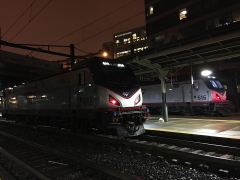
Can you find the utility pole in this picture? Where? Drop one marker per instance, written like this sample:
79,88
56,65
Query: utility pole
162,75
72,54
192,84
0,38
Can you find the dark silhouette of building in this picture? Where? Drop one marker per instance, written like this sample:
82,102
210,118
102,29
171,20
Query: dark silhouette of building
177,20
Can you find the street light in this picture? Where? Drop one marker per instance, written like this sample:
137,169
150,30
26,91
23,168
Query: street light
206,72
105,54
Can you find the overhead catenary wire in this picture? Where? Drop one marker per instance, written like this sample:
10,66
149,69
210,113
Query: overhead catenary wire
98,33
31,20
81,50
19,17
94,21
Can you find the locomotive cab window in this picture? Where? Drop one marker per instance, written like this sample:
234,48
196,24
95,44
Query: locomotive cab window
214,84
114,75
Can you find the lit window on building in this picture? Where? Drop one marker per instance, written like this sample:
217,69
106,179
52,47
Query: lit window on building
123,53
151,10
134,36
127,40
236,16
183,14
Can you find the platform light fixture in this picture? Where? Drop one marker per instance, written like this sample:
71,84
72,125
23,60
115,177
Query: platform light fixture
206,72
183,14
151,9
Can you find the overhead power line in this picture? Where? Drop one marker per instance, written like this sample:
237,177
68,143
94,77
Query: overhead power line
108,28
94,21
81,50
31,20
19,17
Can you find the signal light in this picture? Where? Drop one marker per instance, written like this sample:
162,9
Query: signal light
113,101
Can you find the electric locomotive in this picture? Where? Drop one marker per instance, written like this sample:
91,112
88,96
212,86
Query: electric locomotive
97,94
206,95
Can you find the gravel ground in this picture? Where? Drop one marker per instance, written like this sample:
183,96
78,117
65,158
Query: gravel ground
149,167
143,165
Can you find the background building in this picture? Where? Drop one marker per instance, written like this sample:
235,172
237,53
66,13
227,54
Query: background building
171,21
130,42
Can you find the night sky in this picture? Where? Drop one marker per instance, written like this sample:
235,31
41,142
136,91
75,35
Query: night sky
48,21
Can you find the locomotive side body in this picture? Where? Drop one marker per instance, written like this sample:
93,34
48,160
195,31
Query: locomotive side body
206,95
81,98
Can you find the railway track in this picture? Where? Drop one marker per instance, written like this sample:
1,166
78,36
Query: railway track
28,160
213,157
224,160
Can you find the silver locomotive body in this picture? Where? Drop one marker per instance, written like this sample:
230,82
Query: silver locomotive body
99,94
206,95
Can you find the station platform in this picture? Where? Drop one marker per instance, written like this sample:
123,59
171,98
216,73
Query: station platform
227,127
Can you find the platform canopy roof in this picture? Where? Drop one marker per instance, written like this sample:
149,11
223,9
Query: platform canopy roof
204,49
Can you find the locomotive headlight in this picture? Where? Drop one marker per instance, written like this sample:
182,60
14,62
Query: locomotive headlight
137,100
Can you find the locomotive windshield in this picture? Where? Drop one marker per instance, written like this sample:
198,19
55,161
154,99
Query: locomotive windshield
214,84
113,74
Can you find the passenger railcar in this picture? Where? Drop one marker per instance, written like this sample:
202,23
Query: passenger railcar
207,95
98,94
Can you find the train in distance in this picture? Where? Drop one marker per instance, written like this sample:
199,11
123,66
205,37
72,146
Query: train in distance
206,95
97,94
